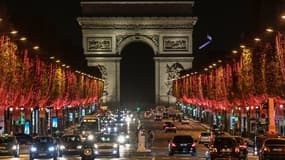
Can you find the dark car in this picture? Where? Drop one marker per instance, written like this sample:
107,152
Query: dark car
101,145
224,147
166,124
169,127
182,144
157,118
43,147
272,148
70,145
9,146
242,147
24,138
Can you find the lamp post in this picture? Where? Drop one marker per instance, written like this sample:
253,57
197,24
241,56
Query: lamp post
248,120
256,129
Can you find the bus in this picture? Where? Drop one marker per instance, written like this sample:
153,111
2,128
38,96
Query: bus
90,124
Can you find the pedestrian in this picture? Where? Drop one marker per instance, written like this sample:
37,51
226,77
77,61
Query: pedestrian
150,138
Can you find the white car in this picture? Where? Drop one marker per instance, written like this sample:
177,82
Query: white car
205,137
185,120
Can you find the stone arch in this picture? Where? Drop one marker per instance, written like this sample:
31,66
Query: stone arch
170,38
137,38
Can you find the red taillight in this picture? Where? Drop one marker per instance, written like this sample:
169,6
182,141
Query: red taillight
236,149
243,146
194,145
214,150
173,145
265,149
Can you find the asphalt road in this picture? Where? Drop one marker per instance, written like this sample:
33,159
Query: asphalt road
159,149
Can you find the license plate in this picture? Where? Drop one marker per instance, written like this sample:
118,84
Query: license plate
105,150
277,149
226,150
42,154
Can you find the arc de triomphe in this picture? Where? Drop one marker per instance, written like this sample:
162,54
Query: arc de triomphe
166,26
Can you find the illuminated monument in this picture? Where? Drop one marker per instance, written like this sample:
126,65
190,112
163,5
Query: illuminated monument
166,26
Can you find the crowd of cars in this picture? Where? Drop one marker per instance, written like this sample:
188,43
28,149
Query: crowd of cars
110,133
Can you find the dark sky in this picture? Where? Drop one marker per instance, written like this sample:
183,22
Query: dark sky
52,24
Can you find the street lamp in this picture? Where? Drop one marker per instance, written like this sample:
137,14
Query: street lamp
248,120
11,119
256,128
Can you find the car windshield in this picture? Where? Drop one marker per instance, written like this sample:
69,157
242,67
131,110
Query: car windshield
6,139
274,142
239,140
205,134
44,140
71,139
225,141
182,139
106,138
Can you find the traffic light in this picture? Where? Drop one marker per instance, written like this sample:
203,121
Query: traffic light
138,108
219,117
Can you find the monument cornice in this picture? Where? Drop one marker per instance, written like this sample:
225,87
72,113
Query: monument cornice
137,22
135,2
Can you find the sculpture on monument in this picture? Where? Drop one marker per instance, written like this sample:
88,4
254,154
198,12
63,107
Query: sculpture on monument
173,72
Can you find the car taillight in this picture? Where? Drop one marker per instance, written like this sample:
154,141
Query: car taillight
266,149
194,145
243,146
173,145
236,149
214,150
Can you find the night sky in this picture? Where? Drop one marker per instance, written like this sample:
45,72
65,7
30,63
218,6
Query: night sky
52,24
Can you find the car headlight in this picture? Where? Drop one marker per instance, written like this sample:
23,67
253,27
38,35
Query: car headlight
61,147
128,119
90,137
95,146
33,149
78,147
115,145
14,147
83,132
127,136
121,139
51,148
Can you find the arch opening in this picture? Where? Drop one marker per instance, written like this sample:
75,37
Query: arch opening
137,74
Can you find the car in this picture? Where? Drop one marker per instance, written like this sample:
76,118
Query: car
147,115
165,115
101,145
272,148
242,147
157,118
43,147
110,129
9,146
169,127
205,137
167,123
217,132
70,145
224,147
182,144
24,139
123,138
185,120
